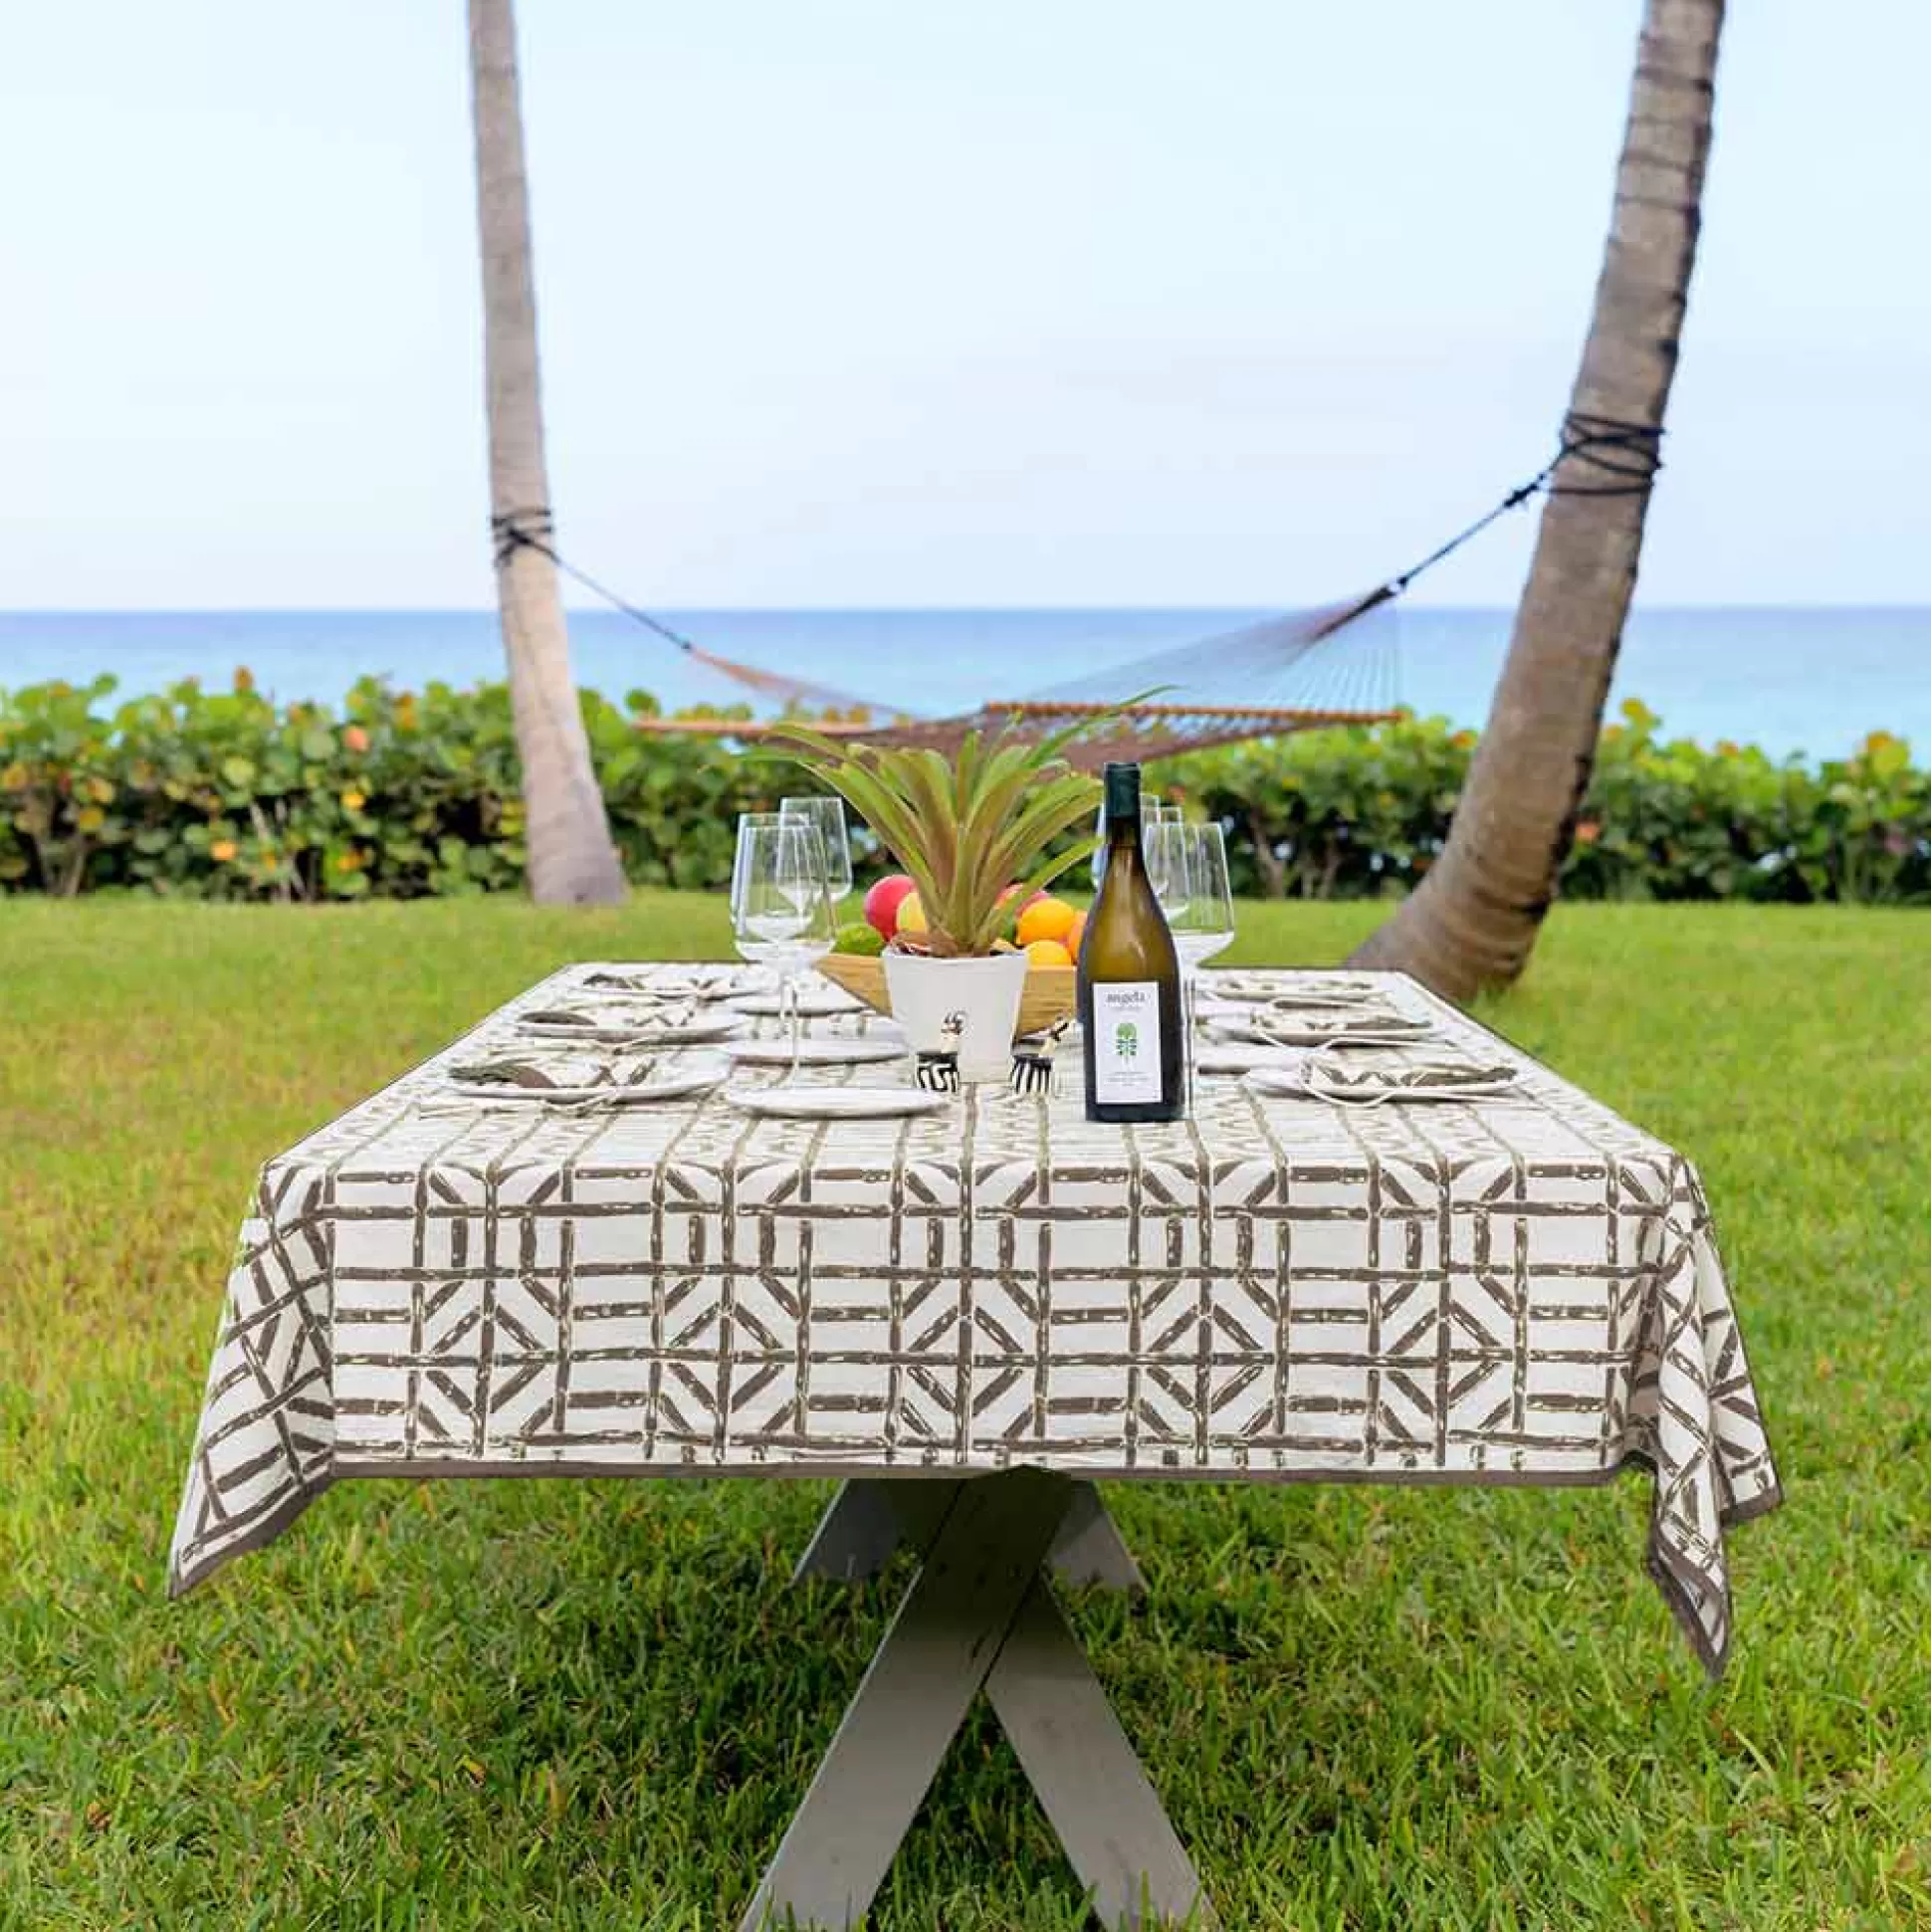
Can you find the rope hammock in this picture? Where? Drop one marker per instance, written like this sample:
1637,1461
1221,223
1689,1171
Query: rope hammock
1331,666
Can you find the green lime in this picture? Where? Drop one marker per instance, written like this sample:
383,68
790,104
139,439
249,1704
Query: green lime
859,939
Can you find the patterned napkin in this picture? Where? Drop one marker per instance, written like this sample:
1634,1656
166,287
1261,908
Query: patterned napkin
677,983
1352,998
1308,1029
569,1076
635,1015
1369,1086
1265,989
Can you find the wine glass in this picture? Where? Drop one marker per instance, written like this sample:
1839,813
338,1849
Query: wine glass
782,908
1188,873
1202,922
738,868
827,817
1169,853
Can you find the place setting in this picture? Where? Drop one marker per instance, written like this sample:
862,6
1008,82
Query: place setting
578,1083
1320,1075
695,981
669,1022
1312,1027
1235,987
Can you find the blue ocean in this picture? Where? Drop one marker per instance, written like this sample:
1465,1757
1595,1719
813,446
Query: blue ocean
1812,682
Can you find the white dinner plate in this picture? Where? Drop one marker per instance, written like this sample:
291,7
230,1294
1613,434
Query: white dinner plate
819,1050
836,1103
814,1002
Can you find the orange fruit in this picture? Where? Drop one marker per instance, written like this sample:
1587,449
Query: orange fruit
1045,919
1075,933
1047,952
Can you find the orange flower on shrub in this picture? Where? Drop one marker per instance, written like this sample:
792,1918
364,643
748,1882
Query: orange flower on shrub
355,738
1587,831
222,850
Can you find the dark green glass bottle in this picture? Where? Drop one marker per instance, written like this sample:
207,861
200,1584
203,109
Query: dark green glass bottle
1130,979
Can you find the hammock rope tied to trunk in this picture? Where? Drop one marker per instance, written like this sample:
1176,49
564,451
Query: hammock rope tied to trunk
1333,666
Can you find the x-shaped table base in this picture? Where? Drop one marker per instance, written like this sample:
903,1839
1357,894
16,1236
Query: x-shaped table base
979,1616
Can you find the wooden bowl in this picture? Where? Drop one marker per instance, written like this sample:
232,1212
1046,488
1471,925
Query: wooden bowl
1048,994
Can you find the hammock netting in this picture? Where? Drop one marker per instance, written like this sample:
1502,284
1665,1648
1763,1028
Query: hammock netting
1332,666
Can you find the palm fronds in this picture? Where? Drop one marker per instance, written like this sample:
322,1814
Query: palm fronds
967,827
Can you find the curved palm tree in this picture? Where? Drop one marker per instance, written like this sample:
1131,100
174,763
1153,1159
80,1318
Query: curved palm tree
1474,919
571,858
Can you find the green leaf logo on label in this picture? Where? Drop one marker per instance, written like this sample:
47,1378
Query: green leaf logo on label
1126,1039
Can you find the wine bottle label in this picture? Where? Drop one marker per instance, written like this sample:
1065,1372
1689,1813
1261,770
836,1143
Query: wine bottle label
1125,1042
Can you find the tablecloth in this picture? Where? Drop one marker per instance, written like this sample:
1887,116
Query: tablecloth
1523,1289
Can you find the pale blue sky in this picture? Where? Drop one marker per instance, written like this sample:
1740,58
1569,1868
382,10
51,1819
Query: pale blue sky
855,301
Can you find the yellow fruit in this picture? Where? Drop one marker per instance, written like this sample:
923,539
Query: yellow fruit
911,915
1075,933
1047,952
1045,919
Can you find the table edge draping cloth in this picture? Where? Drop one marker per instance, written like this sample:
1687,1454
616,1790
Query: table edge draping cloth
1682,1404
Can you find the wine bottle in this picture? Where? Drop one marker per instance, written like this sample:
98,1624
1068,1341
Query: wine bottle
1129,979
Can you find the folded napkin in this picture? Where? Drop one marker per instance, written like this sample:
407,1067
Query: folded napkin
1369,1086
1306,1029
676,982
631,1014
572,1077
1349,998
1267,989
572,1083
1445,1074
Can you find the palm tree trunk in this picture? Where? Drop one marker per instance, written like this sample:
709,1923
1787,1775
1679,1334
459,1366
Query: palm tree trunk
571,859
1475,917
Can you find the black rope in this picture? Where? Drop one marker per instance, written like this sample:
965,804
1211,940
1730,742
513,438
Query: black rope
1629,454
531,530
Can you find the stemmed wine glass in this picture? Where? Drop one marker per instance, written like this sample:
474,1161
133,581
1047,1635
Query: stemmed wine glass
1186,866
1202,919
1165,843
827,817
781,906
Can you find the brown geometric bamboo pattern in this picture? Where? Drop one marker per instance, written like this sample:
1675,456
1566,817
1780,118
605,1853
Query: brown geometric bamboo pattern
1514,1290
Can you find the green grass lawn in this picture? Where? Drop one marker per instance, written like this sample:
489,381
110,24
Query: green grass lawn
574,1705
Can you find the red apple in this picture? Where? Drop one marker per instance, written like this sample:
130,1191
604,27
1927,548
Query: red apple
882,905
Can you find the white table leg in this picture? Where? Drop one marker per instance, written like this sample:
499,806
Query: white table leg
864,1524
1090,1782
980,1612
916,1692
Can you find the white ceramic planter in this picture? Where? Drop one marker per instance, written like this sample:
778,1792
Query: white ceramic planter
987,992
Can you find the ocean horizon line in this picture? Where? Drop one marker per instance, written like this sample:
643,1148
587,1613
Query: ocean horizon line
1887,607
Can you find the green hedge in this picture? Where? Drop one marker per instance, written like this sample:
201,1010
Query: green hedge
226,795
